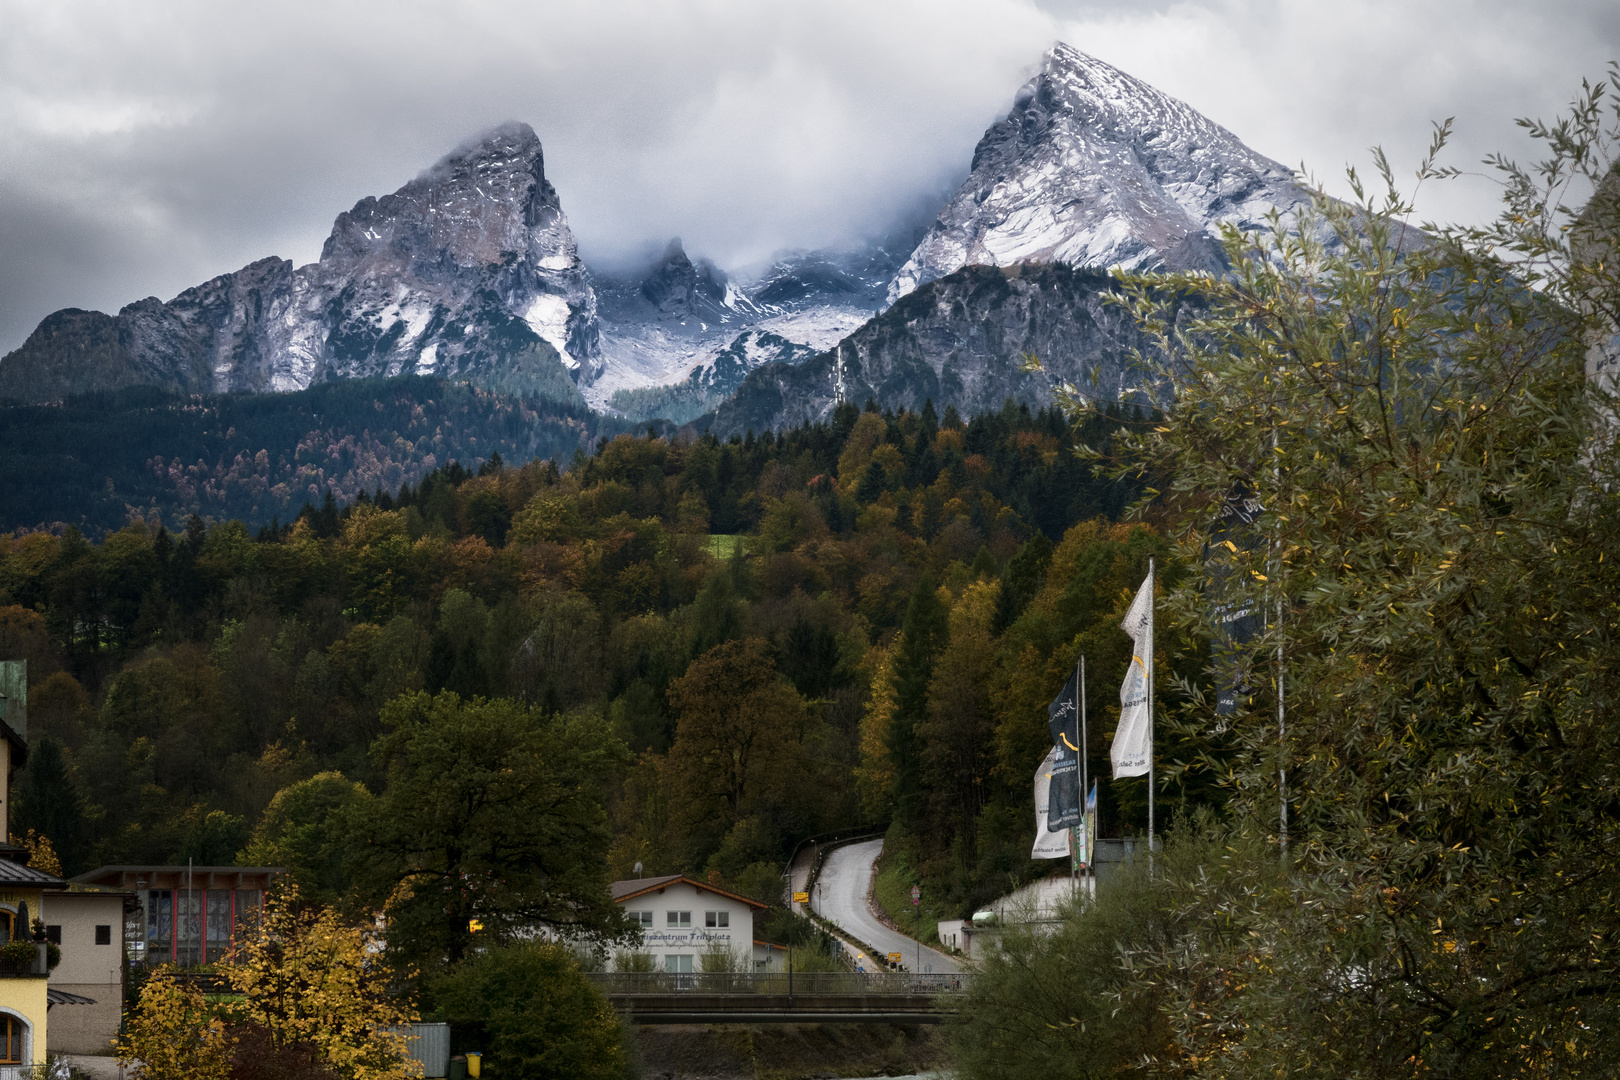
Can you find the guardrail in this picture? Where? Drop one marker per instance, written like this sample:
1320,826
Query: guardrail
805,983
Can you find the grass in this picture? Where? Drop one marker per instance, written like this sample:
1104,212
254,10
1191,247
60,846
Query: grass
892,890
725,545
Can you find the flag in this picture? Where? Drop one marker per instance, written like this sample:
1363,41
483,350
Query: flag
1236,617
1048,845
1063,796
1132,752
1063,715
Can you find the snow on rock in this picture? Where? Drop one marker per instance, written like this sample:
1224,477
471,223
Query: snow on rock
547,316
1096,168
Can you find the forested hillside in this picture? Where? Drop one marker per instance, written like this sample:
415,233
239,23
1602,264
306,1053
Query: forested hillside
851,623
99,460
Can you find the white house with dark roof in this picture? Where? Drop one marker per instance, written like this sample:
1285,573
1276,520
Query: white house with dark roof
682,918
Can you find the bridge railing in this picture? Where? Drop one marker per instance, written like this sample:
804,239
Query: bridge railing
809,984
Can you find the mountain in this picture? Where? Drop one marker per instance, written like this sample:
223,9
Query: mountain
469,271
1090,170
959,340
1093,167
679,335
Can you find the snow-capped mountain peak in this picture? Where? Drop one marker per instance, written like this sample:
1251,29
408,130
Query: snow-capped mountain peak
1096,168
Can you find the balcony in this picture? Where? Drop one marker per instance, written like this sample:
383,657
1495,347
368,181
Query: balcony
27,959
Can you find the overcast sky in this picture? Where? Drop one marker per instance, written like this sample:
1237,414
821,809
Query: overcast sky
145,147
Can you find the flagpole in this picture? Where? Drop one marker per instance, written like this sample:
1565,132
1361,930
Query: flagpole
1074,832
1282,742
1151,754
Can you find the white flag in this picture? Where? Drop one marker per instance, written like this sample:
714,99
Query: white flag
1048,845
1132,752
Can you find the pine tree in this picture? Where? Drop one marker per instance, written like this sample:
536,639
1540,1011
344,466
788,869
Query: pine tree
923,635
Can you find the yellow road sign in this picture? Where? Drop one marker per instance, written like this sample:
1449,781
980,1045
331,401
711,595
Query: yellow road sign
894,958
801,898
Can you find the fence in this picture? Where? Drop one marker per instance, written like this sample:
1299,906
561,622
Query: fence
429,1045
809,984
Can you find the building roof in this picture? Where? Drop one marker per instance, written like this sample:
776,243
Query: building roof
16,873
79,888
127,876
625,890
53,996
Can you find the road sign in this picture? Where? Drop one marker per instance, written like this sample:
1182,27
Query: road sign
894,958
801,898
916,895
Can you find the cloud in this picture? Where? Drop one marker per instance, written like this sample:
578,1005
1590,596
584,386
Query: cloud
145,148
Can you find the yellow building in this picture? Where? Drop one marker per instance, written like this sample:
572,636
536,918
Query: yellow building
24,998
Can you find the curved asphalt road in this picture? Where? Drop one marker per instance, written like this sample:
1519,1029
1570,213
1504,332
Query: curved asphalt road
840,898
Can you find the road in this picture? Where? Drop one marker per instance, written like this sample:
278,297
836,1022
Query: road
840,898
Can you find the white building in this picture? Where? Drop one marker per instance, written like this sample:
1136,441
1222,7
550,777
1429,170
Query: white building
87,921
682,919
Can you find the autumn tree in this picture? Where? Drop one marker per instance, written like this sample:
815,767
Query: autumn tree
174,1033
957,748
738,741
306,977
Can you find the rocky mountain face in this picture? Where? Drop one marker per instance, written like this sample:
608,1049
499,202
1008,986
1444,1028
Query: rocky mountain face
470,271
959,340
679,335
1095,168
679,288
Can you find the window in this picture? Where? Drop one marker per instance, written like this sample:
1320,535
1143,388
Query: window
714,919
103,935
677,964
641,918
247,908
678,919
217,923
11,1040
159,925
53,934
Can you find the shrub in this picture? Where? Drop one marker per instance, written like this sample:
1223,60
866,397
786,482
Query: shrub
258,1055
19,953
538,1017
1067,1003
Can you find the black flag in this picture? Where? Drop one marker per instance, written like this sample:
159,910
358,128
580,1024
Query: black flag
1237,619
1063,797
1063,716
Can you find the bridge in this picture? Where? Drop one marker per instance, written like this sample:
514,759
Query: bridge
717,997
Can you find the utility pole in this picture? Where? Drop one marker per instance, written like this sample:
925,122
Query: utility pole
916,915
1152,749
